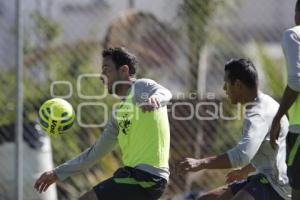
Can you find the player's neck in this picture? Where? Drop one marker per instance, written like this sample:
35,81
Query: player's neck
123,89
250,96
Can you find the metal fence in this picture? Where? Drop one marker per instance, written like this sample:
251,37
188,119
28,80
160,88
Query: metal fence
182,44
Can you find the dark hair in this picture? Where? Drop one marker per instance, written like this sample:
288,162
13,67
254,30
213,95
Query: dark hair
243,70
121,56
298,5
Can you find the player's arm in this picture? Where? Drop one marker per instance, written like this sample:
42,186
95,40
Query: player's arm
150,95
90,156
254,131
288,98
240,173
291,48
193,165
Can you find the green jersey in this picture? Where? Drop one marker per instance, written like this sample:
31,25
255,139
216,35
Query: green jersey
144,138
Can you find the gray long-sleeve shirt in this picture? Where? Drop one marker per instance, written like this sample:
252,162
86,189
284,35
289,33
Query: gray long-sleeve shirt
254,146
143,89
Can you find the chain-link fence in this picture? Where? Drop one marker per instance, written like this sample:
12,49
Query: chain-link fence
182,44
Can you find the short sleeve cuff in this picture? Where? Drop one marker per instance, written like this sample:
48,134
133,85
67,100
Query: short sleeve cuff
59,175
294,85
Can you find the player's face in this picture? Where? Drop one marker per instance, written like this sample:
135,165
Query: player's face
110,74
230,89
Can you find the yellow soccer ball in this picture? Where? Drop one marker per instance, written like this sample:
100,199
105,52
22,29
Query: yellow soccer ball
56,116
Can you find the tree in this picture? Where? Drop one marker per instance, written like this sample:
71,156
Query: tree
196,16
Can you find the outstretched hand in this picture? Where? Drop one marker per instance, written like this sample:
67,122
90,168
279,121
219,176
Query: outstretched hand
189,165
45,180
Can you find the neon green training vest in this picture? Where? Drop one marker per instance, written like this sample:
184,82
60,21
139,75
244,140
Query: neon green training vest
294,112
144,138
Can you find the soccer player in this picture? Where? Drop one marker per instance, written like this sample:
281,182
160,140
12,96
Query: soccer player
141,128
290,103
253,152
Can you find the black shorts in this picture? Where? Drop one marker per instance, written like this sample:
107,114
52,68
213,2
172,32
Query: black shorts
131,184
293,159
257,186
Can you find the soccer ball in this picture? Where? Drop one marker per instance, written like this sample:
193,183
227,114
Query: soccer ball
56,116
